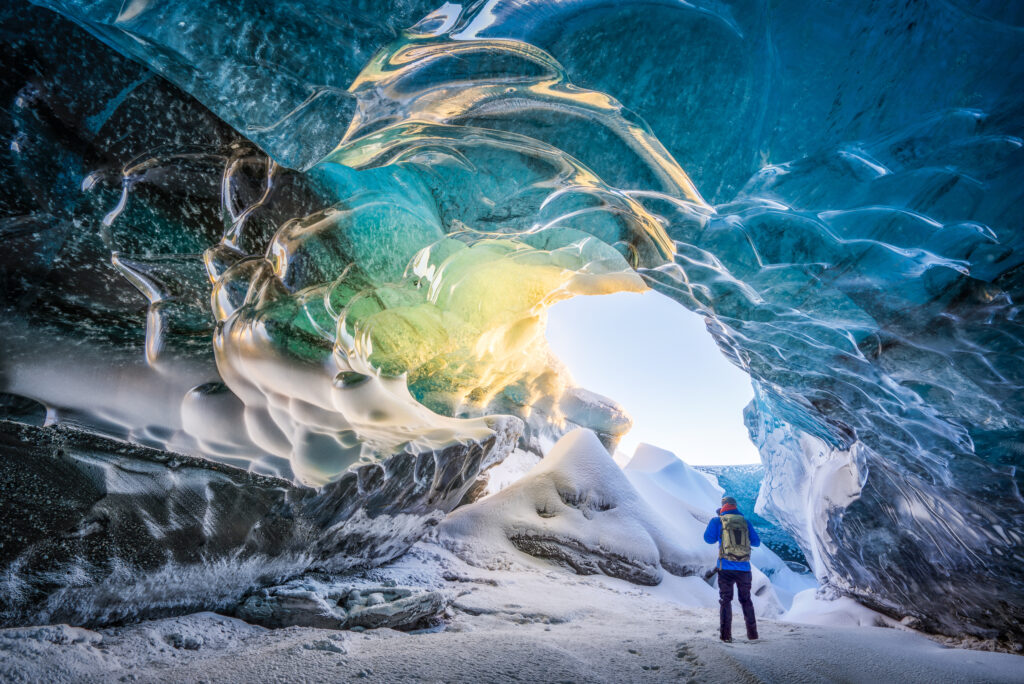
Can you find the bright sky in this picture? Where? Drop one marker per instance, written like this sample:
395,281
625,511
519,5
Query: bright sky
658,360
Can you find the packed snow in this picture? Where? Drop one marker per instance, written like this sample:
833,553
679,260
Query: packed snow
526,624
528,583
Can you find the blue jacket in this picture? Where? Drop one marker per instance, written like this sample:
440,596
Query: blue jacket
713,535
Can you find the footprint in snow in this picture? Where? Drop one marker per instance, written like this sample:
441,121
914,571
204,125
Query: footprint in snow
684,652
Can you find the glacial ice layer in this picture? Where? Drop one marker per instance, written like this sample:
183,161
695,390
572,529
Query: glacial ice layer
348,238
99,531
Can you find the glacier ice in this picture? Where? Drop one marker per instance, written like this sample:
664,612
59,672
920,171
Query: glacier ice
98,531
743,482
345,226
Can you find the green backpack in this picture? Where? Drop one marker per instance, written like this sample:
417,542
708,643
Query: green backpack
735,544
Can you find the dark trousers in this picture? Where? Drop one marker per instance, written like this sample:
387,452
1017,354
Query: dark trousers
742,580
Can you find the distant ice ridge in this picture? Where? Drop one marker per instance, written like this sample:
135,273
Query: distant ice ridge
665,480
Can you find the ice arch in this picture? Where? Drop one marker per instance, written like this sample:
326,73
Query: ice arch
867,277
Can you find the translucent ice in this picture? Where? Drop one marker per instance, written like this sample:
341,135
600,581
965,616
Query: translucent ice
860,256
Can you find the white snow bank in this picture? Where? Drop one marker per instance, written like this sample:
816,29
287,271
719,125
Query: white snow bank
810,609
689,498
786,582
579,509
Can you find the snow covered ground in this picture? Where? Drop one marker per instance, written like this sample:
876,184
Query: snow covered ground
577,570
526,624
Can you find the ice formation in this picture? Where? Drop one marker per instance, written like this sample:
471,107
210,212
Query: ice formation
99,531
347,225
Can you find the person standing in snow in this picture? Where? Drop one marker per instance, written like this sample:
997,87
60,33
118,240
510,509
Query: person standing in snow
734,535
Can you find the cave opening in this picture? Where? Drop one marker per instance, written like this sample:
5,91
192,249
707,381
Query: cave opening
658,361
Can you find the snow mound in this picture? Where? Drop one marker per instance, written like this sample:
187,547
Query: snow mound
672,486
808,608
578,509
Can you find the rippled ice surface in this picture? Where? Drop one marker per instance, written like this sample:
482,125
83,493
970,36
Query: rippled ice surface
348,222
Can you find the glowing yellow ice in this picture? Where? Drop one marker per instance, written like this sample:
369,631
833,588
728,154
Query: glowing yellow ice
480,325
422,293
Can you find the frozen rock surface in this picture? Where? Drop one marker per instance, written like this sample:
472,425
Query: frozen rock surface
96,531
332,605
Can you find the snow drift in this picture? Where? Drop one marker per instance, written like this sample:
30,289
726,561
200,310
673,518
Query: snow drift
577,509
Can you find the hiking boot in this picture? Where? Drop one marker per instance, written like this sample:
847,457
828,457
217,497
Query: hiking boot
752,637
727,640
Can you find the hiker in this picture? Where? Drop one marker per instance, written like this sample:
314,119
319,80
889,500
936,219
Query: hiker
734,535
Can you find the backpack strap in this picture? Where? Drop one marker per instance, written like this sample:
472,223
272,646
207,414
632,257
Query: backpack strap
721,532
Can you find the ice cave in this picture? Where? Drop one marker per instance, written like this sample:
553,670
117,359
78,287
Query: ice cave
276,279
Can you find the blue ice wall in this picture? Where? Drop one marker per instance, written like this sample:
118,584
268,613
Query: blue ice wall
743,483
852,231
277,72
727,86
